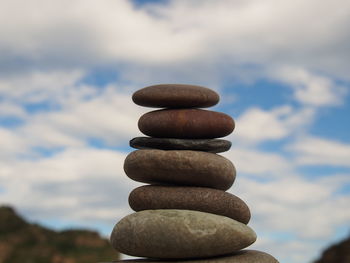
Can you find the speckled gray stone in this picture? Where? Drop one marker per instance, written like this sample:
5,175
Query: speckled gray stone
175,96
206,145
192,168
175,234
243,256
189,198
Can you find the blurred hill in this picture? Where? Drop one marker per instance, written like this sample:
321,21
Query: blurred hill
22,242
337,253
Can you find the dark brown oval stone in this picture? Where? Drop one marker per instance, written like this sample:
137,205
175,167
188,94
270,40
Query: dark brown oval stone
189,198
186,124
206,145
192,168
175,96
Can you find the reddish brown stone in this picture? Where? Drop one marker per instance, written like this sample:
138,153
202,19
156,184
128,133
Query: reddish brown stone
186,124
189,198
175,96
193,168
243,256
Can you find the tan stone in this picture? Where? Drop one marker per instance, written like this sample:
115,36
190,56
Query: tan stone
171,234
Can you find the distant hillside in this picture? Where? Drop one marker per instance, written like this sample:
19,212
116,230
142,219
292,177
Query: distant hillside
22,242
338,253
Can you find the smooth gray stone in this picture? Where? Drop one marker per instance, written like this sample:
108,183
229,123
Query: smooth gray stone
180,167
206,145
243,256
179,234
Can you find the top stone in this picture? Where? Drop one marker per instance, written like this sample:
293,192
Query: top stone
175,96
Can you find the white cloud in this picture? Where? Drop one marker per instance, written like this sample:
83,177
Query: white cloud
297,206
110,116
287,251
11,144
8,109
311,89
266,165
256,125
319,151
37,86
216,35
87,31
79,112
78,184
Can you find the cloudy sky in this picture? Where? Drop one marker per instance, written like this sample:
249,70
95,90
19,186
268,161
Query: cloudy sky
68,69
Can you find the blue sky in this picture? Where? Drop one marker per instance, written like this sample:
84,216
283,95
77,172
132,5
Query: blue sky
68,70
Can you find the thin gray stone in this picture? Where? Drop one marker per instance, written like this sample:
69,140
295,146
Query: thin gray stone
206,145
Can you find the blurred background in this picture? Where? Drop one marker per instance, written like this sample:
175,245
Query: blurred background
281,67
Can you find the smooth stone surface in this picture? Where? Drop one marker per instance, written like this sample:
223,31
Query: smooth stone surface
171,234
206,145
175,96
189,198
186,124
243,256
192,168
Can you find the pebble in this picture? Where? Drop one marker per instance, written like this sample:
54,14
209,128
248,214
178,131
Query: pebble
175,96
192,168
189,198
243,256
175,234
186,124
206,145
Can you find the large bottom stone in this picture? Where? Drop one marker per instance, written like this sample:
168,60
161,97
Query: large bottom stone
243,256
206,145
179,234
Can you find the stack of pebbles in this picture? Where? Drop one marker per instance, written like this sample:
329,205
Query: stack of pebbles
184,213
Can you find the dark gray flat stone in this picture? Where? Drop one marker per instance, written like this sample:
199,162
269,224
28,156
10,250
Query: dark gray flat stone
206,145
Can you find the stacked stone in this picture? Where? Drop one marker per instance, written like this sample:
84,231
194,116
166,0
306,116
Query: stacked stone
185,212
